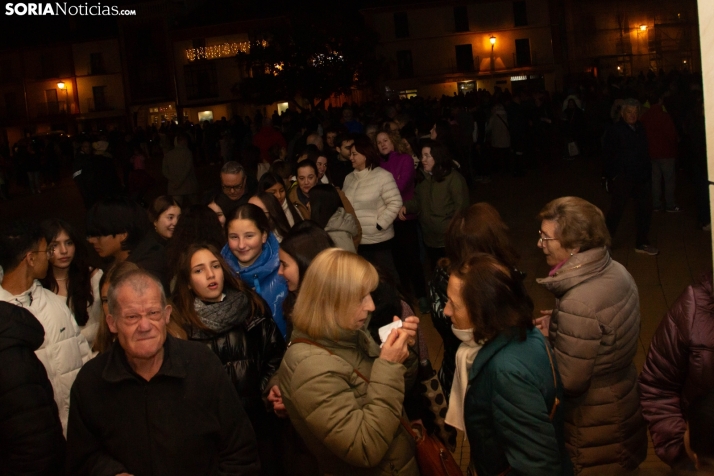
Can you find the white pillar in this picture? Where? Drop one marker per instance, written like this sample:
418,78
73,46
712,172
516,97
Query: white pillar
706,41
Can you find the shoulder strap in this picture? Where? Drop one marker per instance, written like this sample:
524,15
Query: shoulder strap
301,340
556,402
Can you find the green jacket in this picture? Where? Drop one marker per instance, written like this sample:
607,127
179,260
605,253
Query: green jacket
436,203
510,395
352,428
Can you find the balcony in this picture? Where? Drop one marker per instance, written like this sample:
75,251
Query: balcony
53,108
523,61
99,105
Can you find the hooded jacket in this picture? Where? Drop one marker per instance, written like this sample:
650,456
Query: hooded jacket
31,440
342,228
262,276
64,350
249,345
594,331
679,368
351,426
436,203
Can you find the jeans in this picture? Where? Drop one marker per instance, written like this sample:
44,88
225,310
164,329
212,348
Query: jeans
663,169
622,189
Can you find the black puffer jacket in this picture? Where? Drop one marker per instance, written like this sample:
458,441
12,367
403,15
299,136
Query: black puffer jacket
249,345
31,441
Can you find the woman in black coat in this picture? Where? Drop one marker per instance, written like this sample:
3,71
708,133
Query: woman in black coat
220,310
31,440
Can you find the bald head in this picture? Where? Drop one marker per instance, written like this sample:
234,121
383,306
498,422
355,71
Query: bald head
140,282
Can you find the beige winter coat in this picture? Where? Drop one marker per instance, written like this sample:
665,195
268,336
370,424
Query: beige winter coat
595,332
351,426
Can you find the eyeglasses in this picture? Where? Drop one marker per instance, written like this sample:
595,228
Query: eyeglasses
234,188
49,250
542,238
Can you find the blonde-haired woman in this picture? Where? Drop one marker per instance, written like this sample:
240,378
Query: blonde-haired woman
594,330
344,394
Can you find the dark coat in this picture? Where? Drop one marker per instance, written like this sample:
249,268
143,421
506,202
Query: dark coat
437,295
150,255
679,368
31,441
506,411
625,153
251,348
186,420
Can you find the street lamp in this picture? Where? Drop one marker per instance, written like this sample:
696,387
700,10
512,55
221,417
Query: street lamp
493,43
643,27
61,85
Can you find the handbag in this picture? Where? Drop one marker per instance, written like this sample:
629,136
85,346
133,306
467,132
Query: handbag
433,458
435,405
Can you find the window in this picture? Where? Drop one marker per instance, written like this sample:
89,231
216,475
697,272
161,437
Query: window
523,52
461,18
53,106
405,67
100,99
201,80
401,25
520,18
464,58
96,63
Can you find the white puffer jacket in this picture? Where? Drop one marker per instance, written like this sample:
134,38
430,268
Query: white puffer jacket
65,350
375,197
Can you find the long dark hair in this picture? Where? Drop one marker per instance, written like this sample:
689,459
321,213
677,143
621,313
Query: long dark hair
269,179
183,297
324,202
443,164
277,219
303,243
198,224
79,281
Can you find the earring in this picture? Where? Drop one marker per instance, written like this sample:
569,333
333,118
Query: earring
571,254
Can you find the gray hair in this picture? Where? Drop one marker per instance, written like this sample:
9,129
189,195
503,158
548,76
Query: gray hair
140,281
232,167
631,102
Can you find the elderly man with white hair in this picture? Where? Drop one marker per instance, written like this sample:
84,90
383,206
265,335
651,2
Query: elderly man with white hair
154,404
629,171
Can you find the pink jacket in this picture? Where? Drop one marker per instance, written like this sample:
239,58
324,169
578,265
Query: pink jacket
401,166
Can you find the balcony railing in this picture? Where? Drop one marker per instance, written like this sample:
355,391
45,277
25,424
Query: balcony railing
106,104
53,108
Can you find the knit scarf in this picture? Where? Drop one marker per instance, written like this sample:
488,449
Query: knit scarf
465,356
221,316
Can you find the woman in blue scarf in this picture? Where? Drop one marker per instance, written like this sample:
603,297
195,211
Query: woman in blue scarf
252,254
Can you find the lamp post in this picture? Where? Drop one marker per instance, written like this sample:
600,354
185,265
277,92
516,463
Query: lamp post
63,87
493,43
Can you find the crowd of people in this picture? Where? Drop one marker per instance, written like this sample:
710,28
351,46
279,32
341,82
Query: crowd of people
241,330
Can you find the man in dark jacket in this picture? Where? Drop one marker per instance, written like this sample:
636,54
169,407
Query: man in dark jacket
31,440
155,404
236,187
629,171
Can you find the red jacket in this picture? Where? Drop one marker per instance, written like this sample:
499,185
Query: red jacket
266,138
679,368
661,133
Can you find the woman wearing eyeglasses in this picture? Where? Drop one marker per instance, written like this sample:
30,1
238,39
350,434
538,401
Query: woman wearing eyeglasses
594,330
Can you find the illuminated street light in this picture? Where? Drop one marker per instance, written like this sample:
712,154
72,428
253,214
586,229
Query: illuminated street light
61,85
643,27
493,43
492,40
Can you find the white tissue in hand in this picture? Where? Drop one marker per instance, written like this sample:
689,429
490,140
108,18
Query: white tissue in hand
384,331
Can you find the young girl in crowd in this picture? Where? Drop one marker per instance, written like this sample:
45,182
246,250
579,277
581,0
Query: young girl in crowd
252,254
269,204
69,275
273,183
224,313
164,213
330,215
211,203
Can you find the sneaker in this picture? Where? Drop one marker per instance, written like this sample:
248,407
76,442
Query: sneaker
647,249
674,210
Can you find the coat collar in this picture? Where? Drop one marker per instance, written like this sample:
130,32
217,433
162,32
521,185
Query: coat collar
577,269
118,369
346,339
494,346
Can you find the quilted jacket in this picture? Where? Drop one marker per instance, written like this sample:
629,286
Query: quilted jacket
375,197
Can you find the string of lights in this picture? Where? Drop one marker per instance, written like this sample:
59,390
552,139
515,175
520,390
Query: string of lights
219,51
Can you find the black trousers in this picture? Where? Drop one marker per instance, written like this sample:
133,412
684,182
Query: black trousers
622,189
380,255
405,249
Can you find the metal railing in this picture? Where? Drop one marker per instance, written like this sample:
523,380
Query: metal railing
53,108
